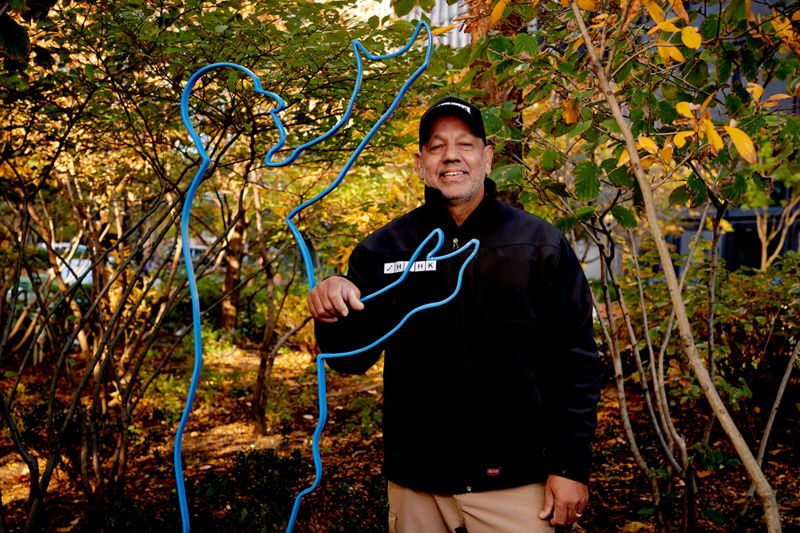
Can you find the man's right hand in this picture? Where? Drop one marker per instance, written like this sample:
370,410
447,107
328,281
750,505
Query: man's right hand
334,297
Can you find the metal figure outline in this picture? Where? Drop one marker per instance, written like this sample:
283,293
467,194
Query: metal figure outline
472,246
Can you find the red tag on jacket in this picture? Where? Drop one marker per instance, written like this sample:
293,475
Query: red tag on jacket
492,472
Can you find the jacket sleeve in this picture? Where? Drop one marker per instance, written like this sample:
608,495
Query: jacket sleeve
573,369
358,329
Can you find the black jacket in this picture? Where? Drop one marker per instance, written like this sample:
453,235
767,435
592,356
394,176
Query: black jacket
497,388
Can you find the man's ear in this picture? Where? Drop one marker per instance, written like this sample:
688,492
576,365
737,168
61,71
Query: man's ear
418,161
489,156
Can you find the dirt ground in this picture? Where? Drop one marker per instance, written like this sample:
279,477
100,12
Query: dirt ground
219,435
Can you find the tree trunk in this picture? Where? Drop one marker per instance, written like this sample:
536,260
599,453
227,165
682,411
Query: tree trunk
763,488
233,273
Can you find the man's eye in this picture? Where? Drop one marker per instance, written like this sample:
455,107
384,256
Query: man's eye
467,146
435,147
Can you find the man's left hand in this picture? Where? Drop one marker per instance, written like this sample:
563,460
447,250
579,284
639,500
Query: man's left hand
564,500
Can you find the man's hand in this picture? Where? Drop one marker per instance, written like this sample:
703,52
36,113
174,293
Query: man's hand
564,500
334,297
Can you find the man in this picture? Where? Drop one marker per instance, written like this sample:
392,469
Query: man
489,400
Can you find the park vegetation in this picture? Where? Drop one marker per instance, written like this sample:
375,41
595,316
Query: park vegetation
627,124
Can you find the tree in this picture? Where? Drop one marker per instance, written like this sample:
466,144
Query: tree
94,154
625,109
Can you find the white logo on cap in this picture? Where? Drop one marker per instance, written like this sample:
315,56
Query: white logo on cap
462,106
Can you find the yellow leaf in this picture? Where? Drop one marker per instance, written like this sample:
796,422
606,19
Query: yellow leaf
571,114
655,11
587,5
691,38
648,161
743,143
755,90
624,157
725,226
707,101
443,29
633,11
668,26
677,7
675,54
497,12
665,154
684,109
774,100
663,52
681,137
713,137
648,144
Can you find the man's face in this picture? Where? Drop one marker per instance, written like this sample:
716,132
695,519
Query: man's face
454,161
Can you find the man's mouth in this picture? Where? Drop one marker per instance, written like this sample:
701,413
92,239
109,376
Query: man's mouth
452,173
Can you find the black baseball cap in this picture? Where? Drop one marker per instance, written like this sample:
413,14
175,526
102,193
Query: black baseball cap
451,106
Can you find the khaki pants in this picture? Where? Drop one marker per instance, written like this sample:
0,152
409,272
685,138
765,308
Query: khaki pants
513,510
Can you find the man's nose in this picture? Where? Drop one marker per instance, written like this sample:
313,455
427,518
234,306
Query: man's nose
452,152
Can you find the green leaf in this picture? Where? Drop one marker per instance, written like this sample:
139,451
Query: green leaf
696,72
624,217
499,47
679,195
637,121
551,160
556,187
565,224
525,43
9,374
584,212
666,111
735,188
579,128
670,92
492,122
621,176
697,189
611,125
724,67
404,7
513,174
587,181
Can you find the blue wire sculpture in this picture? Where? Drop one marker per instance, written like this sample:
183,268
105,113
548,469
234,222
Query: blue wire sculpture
280,104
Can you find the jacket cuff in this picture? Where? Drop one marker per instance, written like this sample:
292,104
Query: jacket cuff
574,464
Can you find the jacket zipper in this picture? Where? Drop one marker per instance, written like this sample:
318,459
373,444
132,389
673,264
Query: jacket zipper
455,243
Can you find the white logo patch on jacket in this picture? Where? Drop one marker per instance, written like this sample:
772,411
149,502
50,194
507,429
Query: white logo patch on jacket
399,266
